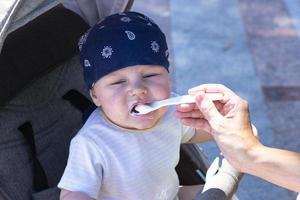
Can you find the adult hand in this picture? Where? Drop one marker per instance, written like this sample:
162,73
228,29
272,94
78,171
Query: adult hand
227,120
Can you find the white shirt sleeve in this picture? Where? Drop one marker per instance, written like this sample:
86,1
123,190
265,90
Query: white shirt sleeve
83,172
187,133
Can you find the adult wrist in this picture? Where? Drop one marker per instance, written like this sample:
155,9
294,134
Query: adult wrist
252,158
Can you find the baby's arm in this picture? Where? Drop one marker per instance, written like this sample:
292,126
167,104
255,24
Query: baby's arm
200,137
69,195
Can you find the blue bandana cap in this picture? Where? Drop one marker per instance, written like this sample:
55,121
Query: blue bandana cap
121,40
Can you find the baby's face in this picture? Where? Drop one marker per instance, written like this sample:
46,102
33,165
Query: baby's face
118,92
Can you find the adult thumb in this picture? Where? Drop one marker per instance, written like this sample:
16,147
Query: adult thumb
207,108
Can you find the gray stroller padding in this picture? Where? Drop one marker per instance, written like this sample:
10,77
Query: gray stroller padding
212,194
49,194
54,122
4,195
38,47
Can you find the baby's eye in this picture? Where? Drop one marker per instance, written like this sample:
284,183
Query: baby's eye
149,75
118,82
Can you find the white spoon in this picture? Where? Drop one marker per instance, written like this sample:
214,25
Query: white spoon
144,109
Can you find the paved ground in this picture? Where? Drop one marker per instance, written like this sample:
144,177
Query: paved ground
252,46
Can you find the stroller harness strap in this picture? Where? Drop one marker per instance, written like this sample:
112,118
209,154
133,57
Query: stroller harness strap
39,176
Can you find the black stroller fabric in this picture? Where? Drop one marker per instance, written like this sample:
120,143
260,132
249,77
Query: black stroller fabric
192,166
38,47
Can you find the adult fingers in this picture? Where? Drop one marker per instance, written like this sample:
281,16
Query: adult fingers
191,107
186,107
192,114
197,123
212,88
208,109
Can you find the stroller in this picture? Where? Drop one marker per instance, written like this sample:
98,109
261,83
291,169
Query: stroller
41,109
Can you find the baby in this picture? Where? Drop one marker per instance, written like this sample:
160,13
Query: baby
117,155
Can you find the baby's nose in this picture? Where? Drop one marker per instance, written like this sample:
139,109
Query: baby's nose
138,89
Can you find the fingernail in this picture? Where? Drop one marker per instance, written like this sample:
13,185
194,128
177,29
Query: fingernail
200,93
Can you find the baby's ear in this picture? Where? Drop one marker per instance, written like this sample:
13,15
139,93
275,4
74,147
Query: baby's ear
94,97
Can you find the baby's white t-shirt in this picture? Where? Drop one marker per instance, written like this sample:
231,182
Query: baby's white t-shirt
108,162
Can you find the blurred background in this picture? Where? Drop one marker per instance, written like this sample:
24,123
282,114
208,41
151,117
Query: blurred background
251,46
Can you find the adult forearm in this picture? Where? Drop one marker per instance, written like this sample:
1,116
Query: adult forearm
280,167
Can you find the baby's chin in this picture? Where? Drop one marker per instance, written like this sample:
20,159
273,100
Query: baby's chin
141,122
145,125
147,121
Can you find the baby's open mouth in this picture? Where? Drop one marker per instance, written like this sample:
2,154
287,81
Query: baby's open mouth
140,108
133,110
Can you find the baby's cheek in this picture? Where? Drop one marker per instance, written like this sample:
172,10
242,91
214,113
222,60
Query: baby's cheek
119,105
164,92
161,89
111,104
